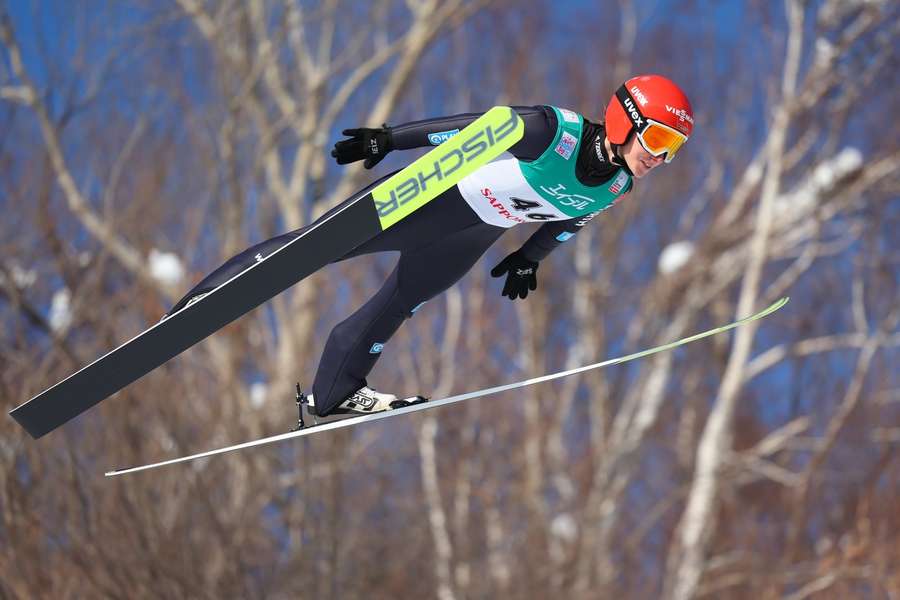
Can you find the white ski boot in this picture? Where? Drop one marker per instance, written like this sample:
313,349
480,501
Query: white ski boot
363,401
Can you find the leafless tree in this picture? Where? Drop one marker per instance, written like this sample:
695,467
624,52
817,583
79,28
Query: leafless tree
762,464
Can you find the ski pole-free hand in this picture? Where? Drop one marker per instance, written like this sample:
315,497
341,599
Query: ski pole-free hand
371,144
521,275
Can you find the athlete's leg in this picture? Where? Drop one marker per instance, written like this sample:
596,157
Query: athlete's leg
256,253
421,273
446,213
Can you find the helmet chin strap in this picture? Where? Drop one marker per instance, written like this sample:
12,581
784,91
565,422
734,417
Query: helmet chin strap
617,157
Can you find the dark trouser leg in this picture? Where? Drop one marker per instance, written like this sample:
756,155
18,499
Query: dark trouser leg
446,213
248,257
421,273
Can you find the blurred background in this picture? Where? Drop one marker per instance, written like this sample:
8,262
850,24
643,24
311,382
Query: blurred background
144,142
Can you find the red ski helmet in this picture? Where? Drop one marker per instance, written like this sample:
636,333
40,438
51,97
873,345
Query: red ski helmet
654,108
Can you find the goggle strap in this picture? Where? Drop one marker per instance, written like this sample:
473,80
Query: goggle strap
630,106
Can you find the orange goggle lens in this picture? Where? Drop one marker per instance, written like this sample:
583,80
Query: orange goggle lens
657,139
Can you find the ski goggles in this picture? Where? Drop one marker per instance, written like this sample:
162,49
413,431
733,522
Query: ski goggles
656,138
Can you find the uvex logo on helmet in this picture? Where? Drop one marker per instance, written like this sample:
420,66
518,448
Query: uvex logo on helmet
639,95
633,113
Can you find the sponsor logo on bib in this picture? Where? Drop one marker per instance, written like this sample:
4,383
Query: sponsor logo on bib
566,145
568,116
487,193
620,182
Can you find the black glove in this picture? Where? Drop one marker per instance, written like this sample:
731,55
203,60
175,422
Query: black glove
364,143
521,275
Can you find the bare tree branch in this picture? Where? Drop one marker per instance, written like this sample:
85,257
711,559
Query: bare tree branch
99,228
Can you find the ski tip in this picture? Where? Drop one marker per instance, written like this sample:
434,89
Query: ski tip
769,309
779,303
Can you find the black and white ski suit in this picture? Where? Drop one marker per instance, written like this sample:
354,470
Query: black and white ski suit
438,244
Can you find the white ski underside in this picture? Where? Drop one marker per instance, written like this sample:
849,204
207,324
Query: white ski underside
453,399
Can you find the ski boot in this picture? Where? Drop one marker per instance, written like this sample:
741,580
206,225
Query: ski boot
364,401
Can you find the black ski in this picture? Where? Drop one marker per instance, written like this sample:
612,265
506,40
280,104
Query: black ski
325,241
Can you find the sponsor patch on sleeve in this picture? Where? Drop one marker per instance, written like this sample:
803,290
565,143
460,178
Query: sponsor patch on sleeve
568,116
566,145
439,137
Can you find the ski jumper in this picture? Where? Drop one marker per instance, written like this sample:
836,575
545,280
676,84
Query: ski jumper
558,174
